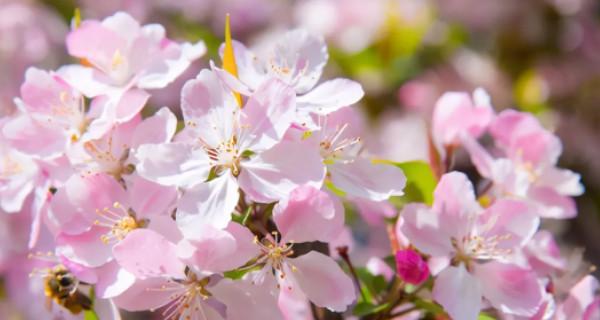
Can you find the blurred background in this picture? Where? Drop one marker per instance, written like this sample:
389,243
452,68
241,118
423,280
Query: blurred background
542,56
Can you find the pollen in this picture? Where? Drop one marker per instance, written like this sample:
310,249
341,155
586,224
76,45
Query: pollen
117,59
119,220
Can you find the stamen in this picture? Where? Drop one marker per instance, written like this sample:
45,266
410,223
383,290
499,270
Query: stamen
120,222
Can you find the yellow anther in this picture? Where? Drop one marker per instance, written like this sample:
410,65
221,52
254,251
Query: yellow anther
117,59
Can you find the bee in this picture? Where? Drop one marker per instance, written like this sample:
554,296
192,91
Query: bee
61,287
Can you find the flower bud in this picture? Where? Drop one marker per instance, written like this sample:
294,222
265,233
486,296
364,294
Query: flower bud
411,267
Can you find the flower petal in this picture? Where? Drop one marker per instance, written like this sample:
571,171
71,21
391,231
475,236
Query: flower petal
330,96
458,292
315,269
146,253
273,174
267,115
363,178
509,288
425,230
210,203
172,164
309,214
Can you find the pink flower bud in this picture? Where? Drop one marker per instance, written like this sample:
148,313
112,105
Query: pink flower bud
411,267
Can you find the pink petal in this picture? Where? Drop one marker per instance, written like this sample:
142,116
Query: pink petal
455,203
550,204
210,203
76,205
309,214
246,301
34,137
146,253
374,212
201,96
330,96
217,250
43,91
482,160
521,135
249,70
510,220
172,62
156,129
129,104
565,182
95,43
89,81
273,174
509,288
144,294
149,199
268,114
378,267
305,53
456,114
172,164
86,249
543,254
425,230
582,295
362,178
458,292
312,271
113,280
106,309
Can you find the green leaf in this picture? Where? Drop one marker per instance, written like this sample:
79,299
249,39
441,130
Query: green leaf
429,306
239,273
364,308
484,316
420,180
90,315
371,285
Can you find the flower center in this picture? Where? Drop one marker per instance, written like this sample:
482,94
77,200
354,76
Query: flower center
225,156
273,252
474,247
110,159
186,298
120,221
10,167
334,148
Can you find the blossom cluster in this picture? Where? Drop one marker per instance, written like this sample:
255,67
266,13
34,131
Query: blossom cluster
219,208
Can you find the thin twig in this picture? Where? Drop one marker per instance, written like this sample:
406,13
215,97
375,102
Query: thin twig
343,252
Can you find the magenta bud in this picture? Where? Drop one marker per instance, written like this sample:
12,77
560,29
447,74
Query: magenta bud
411,267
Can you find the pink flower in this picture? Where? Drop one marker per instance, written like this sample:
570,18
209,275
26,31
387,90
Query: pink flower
111,153
18,175
456,113
581,302
411,267
543,254
53,117
242,147
297,58
477,245
90,215
125,59
165,281
341,149
527,169
306,215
